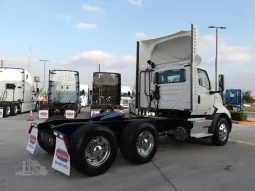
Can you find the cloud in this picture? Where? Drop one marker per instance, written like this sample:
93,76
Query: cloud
87,7
140,35
85,26
136,2
67,18
106,59
226,53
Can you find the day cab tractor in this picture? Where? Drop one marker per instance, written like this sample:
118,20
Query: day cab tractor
174,97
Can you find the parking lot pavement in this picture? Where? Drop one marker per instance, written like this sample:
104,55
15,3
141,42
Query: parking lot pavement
190,165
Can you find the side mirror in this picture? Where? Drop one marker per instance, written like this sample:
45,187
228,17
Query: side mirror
82,92
155,78
221,82
129,94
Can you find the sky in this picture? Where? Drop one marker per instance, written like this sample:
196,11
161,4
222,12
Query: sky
81,34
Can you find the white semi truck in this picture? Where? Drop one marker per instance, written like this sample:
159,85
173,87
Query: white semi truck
63,92
174,97
84,95
124,99
18,91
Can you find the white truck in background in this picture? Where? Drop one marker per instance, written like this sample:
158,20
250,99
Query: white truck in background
84,95
132,109
63,92
124,99
18,91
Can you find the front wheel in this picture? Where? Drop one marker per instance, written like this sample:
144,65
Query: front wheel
221,133
139,142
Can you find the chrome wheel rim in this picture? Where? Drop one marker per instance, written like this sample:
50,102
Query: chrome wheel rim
15,109
8,110
223,132
145,143
97,151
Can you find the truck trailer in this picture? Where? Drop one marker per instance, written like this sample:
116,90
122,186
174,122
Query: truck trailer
84,95
174,97
18,91
63,92
106,93
125,98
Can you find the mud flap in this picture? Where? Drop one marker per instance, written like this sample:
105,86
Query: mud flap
32,140
61,160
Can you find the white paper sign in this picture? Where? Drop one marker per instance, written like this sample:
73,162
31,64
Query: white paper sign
93,113
70,114
32,141
1,112
43,114
61,160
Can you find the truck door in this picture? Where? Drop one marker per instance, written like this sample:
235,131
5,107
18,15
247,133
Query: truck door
204,99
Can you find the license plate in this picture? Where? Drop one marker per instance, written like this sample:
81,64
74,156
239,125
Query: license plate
46,138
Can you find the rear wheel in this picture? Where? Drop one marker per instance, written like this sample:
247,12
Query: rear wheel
139,142
14,109
94,149
221,133
6,110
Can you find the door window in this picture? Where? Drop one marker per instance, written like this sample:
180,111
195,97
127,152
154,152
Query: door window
203,79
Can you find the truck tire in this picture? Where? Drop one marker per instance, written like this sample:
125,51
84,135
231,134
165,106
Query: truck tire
14,109
221,133
88,143
6,110
139,142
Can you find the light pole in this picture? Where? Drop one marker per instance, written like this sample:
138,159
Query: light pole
2,63
216,56
44,62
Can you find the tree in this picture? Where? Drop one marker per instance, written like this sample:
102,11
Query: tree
247,97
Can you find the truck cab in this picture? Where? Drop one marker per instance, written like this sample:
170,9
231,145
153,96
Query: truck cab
170,81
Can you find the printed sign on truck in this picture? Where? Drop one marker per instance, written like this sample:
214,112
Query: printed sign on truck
94,112
32,141
43,114
70,114
61,160
1,112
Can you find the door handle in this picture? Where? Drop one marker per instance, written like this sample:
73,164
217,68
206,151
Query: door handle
198,99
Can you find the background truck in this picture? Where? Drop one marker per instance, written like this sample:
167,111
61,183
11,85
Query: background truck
18,90
174,97
106,92
84,95
233,99
125,98
63,92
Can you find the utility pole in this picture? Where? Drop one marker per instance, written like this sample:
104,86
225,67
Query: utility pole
44,62
99,67
2,63
216,56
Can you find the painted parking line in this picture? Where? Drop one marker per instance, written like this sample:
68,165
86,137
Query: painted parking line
242,142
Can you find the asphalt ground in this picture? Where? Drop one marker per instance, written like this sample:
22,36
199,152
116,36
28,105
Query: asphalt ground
191,165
